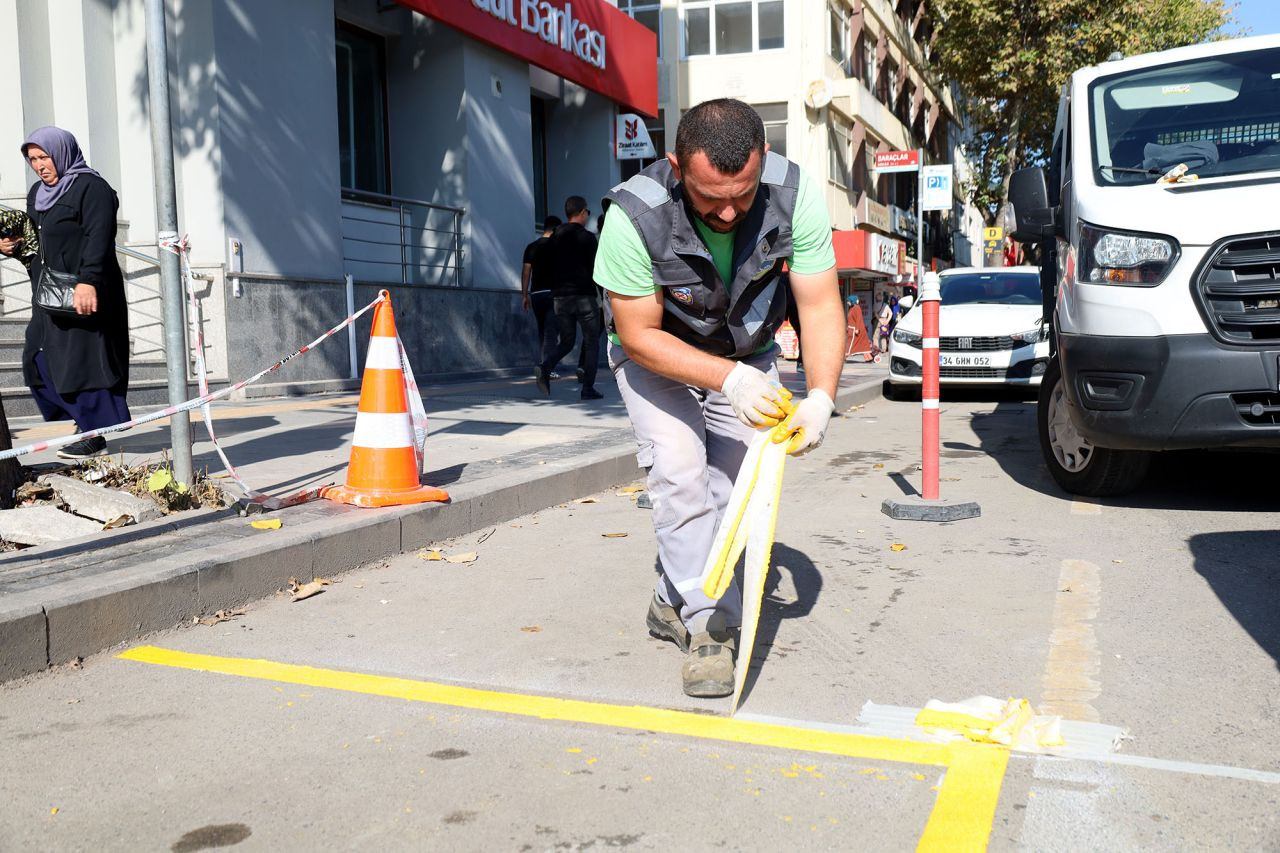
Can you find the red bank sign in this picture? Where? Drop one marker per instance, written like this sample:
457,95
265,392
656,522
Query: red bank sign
898,161
586,41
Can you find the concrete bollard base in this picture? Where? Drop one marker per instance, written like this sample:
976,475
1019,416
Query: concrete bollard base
916,508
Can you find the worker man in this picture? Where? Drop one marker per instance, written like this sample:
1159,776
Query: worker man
692,258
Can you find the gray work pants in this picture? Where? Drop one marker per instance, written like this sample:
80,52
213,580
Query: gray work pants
692,445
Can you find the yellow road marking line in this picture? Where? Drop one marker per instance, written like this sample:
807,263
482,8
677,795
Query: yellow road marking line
961,818
966,806
1069,682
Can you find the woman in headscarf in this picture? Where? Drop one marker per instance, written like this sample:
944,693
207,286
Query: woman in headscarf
77,366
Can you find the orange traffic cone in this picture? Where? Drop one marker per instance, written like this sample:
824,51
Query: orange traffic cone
384,466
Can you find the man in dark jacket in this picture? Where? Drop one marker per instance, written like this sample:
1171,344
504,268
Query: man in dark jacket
535,282
575,297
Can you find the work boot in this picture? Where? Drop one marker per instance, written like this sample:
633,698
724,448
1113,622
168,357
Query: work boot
708,669
664,623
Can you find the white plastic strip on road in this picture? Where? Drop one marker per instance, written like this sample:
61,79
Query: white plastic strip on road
384,354
382,430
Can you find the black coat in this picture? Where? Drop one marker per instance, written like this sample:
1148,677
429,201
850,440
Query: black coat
78,236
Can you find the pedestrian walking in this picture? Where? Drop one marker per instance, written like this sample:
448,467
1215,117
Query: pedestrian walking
76,364
535,283
574,297
884,322
691,258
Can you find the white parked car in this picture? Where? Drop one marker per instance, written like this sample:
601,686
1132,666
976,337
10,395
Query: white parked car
990,331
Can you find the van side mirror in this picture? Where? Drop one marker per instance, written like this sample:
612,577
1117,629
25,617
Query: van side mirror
1033,218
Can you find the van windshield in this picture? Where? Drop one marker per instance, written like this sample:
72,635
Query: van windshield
1006,288
1219,116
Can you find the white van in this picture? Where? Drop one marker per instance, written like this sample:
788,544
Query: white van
1166,289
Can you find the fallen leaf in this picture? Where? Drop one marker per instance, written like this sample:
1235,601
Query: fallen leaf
614,535
629,490
157,481
266,524
118,521
77,701
531,629
878,466
897,546
586,501
53,810
1117,561
222,616
468,557
300,591
433,554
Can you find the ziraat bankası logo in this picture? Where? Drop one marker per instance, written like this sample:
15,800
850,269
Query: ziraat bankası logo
551,23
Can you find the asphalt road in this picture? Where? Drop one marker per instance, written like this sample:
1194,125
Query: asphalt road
1159,613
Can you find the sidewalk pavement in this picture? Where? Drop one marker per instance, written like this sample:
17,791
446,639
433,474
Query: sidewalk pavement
498,447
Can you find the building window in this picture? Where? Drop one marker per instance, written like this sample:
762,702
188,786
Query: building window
839,140
646,12
838,33
658,135
869,63
723,27
362,110
775,126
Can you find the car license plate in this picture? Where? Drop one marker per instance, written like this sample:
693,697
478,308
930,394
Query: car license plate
951,359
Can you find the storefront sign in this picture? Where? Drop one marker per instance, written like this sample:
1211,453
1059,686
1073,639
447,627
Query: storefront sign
882,254
876,215
865,252
902,221
897,161
937,191
586,41
633,138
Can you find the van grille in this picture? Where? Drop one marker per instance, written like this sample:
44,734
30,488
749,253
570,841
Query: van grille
976,344
1238,287
971,373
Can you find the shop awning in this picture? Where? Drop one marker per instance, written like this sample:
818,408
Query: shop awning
586,41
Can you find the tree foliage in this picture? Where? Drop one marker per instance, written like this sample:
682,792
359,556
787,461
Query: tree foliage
1010,59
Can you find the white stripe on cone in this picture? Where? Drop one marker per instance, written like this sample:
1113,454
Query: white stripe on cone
383,430
384,354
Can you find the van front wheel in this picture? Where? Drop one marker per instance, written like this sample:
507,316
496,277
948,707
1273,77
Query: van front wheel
1077,465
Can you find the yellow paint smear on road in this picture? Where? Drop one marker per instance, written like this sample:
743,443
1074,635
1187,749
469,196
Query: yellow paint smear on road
1079,507
961,817
1069,683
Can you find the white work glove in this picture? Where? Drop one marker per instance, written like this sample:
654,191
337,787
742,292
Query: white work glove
804,428
756,401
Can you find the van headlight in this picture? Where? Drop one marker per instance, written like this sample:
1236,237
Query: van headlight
902,336
1122,257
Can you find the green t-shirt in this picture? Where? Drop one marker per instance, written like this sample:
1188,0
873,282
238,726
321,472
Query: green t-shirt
623,265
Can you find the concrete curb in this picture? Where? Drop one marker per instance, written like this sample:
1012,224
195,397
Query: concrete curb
173,585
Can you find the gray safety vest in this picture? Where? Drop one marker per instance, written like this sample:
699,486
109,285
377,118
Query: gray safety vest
733,321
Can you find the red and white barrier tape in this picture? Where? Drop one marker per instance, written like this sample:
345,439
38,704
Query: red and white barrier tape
196,402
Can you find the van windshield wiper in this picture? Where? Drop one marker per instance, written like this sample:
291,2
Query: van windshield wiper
1132,171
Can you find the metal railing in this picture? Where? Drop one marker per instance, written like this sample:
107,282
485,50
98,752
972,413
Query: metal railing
390,238
141,273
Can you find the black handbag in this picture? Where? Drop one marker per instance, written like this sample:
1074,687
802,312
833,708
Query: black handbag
55,290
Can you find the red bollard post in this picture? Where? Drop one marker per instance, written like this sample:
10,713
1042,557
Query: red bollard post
928,506
930,296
